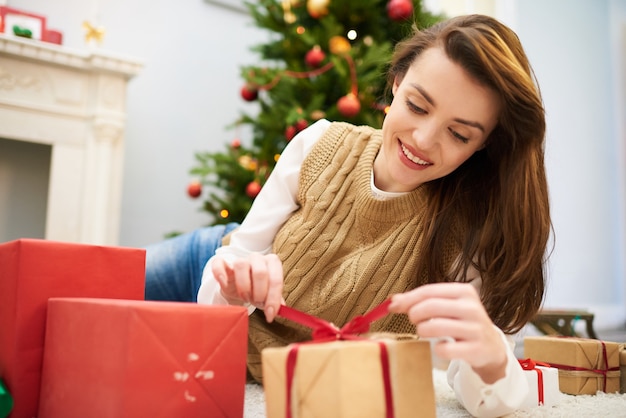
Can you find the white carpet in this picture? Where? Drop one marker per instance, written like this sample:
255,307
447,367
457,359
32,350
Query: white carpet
582,406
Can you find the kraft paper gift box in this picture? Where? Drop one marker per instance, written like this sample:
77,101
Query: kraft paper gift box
585,365
343,374
137,359
543,384
31,271
345,379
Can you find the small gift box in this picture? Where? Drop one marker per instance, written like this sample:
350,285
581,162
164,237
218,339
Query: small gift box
346,376
14,22
543,384
108,358
31,271
585,365
622,368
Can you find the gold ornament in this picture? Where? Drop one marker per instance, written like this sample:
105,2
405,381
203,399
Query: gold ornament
92,32
288,15
318,114
339,45
246,162
317,8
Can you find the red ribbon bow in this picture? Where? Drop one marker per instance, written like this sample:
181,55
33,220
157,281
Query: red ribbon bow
324,331
528,364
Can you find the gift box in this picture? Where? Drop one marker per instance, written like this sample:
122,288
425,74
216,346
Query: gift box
543,384
15,22
31,271
345,379
585,365
342,374
137,359
622,368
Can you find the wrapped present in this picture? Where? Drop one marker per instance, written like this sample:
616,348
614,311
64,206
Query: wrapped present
543,384
622,368
117,358
15,22
343,375
31,271
585,365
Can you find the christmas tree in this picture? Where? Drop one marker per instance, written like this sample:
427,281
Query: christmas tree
326,59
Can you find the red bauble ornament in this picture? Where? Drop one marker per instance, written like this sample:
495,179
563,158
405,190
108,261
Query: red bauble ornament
301,124
314,57
236,143
249,93
349,105
194,189
290,132
399,10
253,188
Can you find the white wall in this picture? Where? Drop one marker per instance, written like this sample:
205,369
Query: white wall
181,103
189,91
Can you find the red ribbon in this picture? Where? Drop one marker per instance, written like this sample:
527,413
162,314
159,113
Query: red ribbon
528,364
603,371
324,331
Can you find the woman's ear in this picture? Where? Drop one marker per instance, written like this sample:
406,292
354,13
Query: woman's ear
396,83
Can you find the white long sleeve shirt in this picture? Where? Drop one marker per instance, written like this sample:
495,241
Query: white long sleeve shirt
271,209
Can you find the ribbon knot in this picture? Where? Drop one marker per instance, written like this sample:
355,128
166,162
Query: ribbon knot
529,364
324,331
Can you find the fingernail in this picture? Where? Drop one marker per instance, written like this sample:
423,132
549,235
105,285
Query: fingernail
269,313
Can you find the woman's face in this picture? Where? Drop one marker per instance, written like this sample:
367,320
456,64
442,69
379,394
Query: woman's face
438,118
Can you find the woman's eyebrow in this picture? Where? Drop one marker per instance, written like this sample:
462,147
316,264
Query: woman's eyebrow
470,123
430,100
423,93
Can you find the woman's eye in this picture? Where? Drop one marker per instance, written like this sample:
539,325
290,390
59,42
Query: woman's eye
458,136
414,108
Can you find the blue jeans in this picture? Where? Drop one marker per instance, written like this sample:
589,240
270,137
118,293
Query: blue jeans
174,266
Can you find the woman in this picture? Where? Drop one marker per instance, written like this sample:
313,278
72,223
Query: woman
445,210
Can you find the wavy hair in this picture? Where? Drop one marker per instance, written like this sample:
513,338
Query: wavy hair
495,206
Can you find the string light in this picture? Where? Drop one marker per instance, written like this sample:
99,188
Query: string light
352,35
224,213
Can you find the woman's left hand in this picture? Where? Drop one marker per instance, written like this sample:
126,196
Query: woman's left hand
443,310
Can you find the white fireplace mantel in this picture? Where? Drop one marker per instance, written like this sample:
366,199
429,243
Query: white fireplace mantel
74,102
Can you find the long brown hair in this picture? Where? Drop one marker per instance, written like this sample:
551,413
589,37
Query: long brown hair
495,205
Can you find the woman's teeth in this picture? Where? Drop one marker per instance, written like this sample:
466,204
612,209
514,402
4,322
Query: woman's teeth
412,157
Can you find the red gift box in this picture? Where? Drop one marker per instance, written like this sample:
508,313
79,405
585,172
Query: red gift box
24,21
137,359
31,271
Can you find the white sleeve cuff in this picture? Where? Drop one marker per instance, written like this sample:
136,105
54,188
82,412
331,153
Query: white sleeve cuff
489,400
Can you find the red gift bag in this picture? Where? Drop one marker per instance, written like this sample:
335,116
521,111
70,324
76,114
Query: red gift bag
31,271
136,359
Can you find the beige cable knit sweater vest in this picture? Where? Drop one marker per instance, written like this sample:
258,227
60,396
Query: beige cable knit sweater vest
343,252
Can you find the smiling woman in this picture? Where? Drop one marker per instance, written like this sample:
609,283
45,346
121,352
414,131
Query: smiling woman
445,211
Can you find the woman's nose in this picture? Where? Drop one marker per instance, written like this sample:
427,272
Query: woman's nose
426,135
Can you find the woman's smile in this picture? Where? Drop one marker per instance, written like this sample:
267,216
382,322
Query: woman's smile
412,160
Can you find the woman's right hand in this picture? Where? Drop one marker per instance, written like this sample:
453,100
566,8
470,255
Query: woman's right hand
257,279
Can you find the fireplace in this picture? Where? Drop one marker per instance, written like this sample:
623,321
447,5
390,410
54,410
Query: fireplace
74,104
